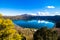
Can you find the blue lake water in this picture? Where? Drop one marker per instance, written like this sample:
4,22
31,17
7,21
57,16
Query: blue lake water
34,23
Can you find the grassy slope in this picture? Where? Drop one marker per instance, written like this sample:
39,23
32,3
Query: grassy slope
28,32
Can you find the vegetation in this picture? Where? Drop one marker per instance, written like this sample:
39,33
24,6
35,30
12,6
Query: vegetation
45,34
58,37
7,30
58,24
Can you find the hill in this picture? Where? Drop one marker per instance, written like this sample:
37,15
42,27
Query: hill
28,32
31,17
55,19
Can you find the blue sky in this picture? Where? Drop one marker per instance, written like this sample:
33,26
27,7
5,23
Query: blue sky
34,7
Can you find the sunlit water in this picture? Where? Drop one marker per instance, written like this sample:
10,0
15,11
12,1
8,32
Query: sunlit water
34,23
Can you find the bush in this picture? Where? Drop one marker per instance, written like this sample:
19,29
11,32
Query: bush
7,30
45,34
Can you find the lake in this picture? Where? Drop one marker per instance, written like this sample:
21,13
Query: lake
34,23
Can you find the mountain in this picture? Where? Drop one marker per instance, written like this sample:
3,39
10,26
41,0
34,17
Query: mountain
55,18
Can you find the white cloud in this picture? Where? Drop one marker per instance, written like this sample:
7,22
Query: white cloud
47,13
10,12
34,14
56,12
43,14
50,7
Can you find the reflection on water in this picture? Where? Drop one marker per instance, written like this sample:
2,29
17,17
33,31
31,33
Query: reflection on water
34,23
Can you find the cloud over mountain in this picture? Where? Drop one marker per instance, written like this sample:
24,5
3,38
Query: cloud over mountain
50,6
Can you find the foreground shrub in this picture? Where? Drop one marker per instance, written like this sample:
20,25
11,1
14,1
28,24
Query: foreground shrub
45,34
7,30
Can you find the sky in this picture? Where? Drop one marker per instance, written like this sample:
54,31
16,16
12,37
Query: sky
33,7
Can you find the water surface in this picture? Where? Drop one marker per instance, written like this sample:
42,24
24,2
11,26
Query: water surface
34,23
